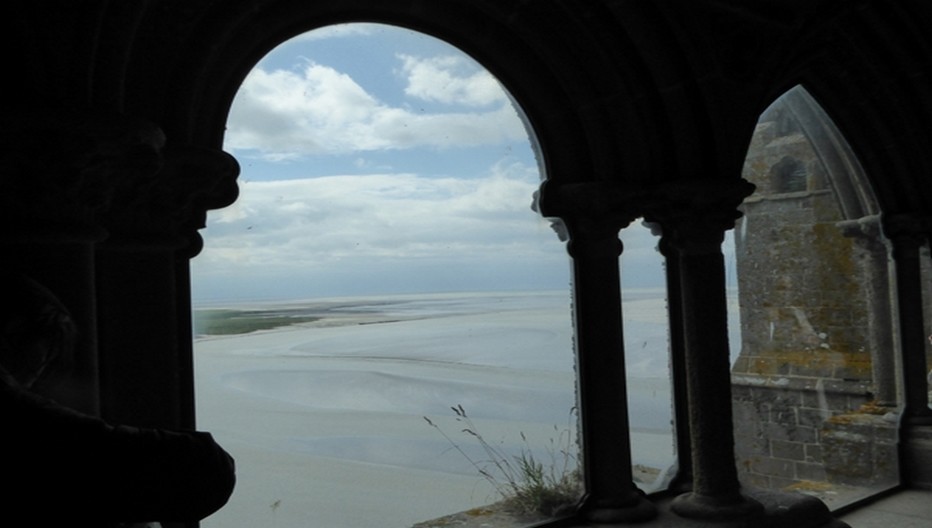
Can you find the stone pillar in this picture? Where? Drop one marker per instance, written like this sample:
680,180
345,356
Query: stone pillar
593,216
60,174
908,234
682,481
145,331
694,219
866,232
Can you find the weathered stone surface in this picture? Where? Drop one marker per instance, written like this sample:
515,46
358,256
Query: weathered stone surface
859,449
808,277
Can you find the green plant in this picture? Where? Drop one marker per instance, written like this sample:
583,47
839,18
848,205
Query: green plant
230,322
524,483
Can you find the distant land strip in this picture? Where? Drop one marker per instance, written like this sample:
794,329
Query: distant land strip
231,322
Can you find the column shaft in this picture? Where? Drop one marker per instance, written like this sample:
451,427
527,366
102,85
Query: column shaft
912,327
693,219
708,376
684,475
611,493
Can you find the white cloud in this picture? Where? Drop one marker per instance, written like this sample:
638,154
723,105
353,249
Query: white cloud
386,231
316,110
450,79
311,221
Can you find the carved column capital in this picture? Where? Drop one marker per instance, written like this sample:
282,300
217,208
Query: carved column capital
592,214
171,205
907,231
61,172
596,206
693,216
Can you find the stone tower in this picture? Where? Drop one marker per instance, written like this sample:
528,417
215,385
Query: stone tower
813,386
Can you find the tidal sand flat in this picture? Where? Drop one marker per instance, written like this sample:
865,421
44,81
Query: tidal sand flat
324,407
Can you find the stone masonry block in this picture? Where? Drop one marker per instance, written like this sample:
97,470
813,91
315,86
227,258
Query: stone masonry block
814,472
783,414
748,446
788,450
793,433
781,482
774,467
847,458
814,453
754,480
811,417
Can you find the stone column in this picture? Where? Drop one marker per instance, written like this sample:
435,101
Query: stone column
60,174
694,218
145,331
907,234
593,216
682,481
867,234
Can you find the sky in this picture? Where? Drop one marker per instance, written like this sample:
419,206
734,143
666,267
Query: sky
375,161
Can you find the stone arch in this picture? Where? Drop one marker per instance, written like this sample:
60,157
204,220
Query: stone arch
576,145
864,103
632,93
833,164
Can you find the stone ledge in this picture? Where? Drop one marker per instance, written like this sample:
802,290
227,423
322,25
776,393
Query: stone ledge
828,386
781,510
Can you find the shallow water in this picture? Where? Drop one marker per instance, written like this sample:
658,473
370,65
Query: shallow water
326,420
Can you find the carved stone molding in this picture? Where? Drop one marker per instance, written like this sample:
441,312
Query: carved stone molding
590,210
172,204
867,231
907,231
84,176
695,210
61,173
63,170
693,216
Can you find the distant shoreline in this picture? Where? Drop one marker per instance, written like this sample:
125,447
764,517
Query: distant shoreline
240,317
634,293
243,317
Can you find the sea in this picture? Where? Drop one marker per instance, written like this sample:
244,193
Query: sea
393,410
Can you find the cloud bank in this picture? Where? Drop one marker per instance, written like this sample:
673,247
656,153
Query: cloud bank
386,233
316,110
423,181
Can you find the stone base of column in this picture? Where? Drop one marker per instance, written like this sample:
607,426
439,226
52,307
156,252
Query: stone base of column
916,456
777,510
638,511
696,506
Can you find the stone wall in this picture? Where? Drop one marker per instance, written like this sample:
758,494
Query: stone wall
814,310
799,433
804,308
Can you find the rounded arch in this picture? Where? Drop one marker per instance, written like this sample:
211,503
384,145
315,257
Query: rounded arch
636,92
560,75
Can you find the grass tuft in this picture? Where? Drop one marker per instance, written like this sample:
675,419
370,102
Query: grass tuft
525,484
